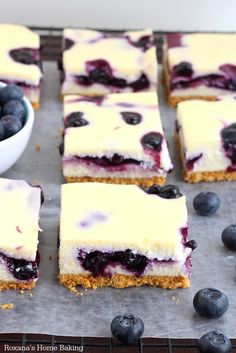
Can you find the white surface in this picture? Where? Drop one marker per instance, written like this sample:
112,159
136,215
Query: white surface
159,14
12,148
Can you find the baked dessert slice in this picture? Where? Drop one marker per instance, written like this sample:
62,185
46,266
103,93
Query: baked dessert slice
206,135
121,236
199,66
20,60
95,63
19,205
117,138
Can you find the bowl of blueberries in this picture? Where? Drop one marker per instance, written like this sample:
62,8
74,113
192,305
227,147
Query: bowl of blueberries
16,123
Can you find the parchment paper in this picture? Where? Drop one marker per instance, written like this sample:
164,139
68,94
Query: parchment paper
52,309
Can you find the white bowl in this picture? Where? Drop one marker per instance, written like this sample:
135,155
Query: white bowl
12,148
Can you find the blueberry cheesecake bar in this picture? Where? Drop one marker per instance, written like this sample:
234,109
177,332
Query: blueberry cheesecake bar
117,138
199,66
19,205
20,60
206,135
95,63
121,236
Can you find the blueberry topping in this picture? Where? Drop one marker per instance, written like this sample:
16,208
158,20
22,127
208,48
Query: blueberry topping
192,244
24,270
183,69
131,118
170,192
9,93
100,76
210,303
118,82
152,140
127,328
190,162
75,120
228,237
2,131
229,134
140,84
61,148
214,342
15,107
154,189
84,80
24,56
11,124
95,262
206,203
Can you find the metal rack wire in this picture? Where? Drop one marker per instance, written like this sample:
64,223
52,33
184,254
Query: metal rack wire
51,51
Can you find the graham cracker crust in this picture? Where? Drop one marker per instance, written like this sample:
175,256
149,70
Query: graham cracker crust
16,285
35,105
123,281
173,101
146,182
196,177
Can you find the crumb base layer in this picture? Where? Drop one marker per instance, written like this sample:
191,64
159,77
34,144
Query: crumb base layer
172,101
123,281
16,285
196,177
136,181
35,105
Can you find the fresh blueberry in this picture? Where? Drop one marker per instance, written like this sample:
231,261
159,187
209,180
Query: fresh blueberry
11,124
9,93
229,134
206,203
75,120
152,140
2,131
192,244
214,342
15,107
127,328
154,189
170,192
228,237
210,303
183,69
131,118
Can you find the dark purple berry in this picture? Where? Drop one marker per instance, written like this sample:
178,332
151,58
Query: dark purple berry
140,84
131,118
183,69
229,134
84,80
2,131
206,203
214,342
95,262
210,303
127,328
11,124
152,140
10,92
24,270
154,189
118,82
75,120
24,56
192,244
170,192
15,107
228,237
100,76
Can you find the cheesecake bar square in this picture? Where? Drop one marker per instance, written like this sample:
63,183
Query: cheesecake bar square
199,66
121,236
20,60
117,138
19,207
206,135
96,63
